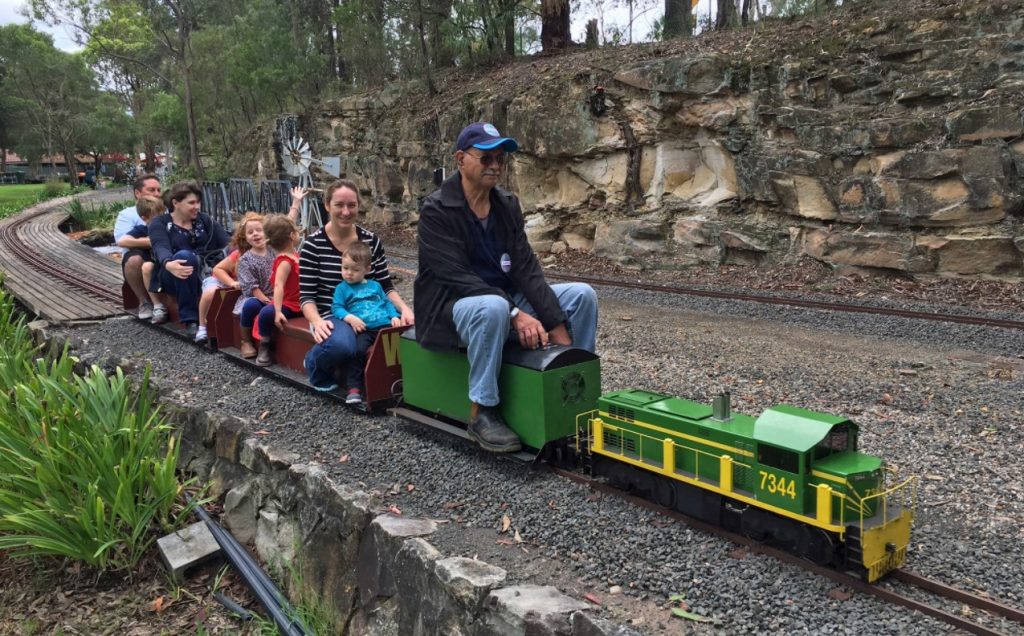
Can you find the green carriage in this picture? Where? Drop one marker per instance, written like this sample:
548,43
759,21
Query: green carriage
542,391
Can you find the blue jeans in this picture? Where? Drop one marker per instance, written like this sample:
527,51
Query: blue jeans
250,309
355,375
265,320
336,351
484,327
186,291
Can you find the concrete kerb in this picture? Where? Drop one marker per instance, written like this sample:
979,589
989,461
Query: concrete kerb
377,570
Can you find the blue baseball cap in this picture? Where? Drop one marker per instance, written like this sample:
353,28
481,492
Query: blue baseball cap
485,136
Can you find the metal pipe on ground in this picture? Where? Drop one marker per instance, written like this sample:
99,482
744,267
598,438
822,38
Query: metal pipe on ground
268,595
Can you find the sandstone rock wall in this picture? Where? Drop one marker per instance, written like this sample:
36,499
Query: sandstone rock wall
893,141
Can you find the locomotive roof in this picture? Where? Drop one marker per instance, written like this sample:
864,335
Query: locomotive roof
795,428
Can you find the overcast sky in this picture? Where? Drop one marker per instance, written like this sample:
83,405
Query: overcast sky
10,12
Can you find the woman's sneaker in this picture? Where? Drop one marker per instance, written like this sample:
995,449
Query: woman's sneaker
159,315
354,397
146,311
201,335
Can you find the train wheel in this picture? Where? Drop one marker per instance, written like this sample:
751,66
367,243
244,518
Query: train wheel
818,546
788,535
642,484
664,492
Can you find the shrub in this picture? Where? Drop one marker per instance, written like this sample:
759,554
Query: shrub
87,465
53,189
95,216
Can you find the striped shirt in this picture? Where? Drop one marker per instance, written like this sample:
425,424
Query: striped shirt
320,268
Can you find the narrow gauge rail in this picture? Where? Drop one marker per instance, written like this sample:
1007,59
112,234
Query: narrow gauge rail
780,300
9,238
936,587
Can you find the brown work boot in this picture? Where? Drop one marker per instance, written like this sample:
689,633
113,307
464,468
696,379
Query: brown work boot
487,428
248,347
263,357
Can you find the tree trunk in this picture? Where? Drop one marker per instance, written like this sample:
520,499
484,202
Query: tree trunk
554,31
726,17
592,41
190,118
69,161
421,29
678,19
148,147
439,49
184,45
509,23
3,160
745,12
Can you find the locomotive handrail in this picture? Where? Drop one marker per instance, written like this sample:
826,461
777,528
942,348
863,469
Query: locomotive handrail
661,440
908,486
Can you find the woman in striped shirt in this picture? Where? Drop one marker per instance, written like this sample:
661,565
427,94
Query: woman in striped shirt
319,275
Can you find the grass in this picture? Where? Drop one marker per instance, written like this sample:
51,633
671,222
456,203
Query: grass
19,192
17,197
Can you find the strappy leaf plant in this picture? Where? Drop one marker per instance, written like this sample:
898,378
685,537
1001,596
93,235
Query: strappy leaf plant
87,463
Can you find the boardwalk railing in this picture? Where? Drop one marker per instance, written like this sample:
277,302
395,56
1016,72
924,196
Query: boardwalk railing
225,201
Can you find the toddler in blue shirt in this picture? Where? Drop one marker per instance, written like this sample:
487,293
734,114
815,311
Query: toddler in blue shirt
362,304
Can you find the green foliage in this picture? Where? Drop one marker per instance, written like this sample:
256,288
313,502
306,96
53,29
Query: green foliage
93,216
49,90
315,612
15,198
87,466
53,189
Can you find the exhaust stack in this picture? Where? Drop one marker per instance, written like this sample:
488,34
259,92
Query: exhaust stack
722,407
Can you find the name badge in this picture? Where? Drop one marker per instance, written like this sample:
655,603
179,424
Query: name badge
506,263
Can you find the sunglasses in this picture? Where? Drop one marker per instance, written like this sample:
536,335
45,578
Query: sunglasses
488,160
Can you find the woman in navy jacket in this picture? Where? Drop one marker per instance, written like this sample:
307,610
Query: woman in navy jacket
181,241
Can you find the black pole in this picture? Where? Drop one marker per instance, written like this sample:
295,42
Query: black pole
268,595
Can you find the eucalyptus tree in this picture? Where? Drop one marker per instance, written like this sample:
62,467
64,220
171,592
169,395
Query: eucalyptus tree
168,24
554,28
678,18
49,91
124,50
108,129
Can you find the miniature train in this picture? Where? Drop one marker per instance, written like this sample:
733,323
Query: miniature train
791,477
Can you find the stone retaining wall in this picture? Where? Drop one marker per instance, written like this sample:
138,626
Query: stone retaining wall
893,142
378,571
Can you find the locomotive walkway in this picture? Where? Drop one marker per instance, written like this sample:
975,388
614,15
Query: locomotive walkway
53,276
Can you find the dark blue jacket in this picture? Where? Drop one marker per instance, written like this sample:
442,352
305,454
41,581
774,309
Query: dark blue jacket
165,243
445,235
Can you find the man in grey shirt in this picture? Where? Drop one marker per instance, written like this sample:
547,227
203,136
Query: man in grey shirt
146,185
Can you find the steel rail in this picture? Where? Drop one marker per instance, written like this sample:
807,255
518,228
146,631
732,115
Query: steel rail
682,290
848,580
957,594
9,237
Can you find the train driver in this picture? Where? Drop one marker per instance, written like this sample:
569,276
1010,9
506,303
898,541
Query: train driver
479,282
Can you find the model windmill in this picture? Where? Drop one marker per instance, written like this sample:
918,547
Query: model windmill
297,159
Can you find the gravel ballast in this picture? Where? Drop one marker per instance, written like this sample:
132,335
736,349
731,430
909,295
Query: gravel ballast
936,400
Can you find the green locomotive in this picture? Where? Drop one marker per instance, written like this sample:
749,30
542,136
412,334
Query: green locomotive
790,477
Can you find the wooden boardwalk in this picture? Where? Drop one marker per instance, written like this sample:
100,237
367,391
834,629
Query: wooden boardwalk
53,276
